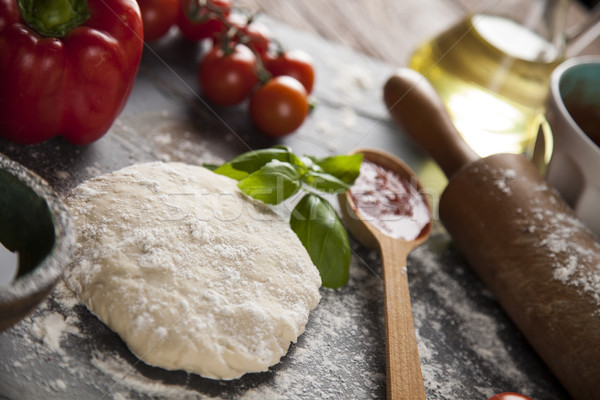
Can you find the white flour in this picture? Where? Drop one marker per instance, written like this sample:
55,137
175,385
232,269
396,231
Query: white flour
52,329
574,262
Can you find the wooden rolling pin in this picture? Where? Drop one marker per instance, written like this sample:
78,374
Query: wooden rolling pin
520,237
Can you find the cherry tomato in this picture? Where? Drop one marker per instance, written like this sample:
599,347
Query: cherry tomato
207,25
158,16
257,34
509,396
279,106
227,79
259,37
295,63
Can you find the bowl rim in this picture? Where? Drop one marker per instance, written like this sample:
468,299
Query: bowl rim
555,95
45,275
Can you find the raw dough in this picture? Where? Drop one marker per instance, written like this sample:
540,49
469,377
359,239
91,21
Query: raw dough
189,271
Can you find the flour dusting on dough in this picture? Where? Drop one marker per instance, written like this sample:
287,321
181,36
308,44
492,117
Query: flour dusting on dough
190,272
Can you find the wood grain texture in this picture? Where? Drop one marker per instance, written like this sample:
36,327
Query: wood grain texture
526,235
388,30
403,367
412,102
385,29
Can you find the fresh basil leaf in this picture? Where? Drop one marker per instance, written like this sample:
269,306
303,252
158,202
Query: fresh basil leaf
324,237
284,147
343,167
254,160
273,183
241,166
325,182
310,164
210,167
298,163
228,170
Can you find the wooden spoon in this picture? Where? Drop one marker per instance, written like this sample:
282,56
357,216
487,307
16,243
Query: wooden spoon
404,378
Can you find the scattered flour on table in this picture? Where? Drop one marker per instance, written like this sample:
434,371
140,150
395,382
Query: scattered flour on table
348,117
57,385
43,333
163,139
173,145
128,380
352,81
330,134
478,330
167,138
63,175
51,329
93,170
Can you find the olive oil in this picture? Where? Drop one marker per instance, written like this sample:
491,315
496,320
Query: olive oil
493,75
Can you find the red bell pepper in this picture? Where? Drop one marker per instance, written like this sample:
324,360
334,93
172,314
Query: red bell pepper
67,67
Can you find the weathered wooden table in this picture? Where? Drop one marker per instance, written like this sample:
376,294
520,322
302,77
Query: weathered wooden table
388,30
468,347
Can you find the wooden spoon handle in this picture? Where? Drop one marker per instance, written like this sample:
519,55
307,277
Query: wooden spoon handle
404,377
417,107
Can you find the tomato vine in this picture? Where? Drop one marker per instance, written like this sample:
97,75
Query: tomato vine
245,62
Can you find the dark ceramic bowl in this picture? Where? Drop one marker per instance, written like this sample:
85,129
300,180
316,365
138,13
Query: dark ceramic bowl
35,223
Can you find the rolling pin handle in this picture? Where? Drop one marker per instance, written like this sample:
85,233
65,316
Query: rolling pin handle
416,106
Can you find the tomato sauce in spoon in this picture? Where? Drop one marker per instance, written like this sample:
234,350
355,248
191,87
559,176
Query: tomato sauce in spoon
389,202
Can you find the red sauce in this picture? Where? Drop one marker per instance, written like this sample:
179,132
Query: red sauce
389,202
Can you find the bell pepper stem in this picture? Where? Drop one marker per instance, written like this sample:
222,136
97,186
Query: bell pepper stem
54,18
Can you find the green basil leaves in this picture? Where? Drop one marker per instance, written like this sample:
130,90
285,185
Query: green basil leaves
272,183
320,230
275,174
345,168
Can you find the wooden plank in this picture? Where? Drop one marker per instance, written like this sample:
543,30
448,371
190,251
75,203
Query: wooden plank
385,29
389,30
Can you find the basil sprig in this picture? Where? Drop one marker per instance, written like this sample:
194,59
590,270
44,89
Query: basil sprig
272,183
320,230
275,174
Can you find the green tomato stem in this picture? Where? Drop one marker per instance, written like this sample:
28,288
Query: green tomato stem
233,32
194,11
54,18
